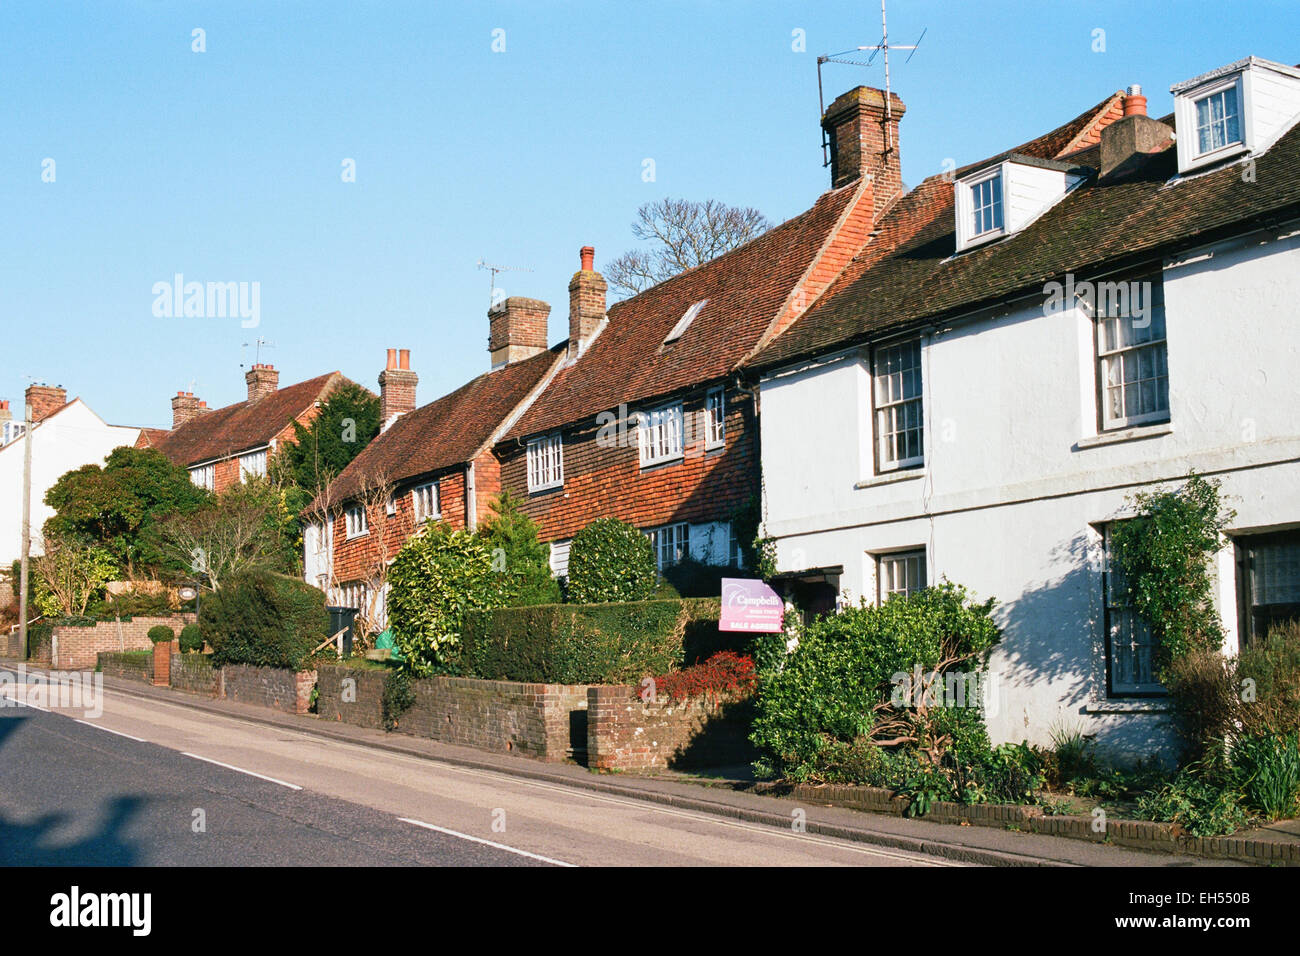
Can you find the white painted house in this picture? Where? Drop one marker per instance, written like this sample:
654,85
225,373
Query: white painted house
982,391
65,435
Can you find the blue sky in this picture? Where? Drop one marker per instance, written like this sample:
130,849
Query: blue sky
226,165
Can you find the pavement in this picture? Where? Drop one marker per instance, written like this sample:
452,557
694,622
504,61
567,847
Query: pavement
560,812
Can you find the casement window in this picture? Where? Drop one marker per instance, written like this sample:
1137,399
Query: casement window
986,205
390,505
354,519
670,543
900,573
896,375
1132,361
1130,645
546,462
1218,119
353,594
1268,582
252,465
204,476
424,502
659,434
715,418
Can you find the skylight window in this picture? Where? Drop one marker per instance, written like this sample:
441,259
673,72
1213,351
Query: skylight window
685,321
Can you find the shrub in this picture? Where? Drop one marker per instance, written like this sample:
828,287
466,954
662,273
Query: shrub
691,578
191,638
1202,805
1205,700
399,697
1272,704
132,604
610,560
265,619
161,634
724,673
582,644
438,578
839,683
518,557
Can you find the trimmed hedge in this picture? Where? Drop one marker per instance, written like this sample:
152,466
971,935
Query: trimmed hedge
609,561
588,643
269,620
161,634
191,638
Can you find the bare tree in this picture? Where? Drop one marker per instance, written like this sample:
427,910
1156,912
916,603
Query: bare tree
236,532
71,572
376,496
682,234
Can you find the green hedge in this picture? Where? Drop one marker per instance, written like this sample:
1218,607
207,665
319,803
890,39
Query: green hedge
589,643
270,620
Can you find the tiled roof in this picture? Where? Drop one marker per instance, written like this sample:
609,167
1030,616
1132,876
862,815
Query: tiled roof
909,273
227,431
151,437
446,432
746,288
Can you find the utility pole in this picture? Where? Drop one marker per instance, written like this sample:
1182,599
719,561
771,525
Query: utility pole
27,525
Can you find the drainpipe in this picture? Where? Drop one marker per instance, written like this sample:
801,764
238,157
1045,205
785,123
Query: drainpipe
471,499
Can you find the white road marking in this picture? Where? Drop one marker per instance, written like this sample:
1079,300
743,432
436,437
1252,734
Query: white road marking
259,776
499,846
111,731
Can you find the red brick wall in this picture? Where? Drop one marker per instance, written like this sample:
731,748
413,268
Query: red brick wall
626,733
600,482
79,647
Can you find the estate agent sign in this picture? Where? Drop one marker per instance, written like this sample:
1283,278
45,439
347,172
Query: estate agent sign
749,605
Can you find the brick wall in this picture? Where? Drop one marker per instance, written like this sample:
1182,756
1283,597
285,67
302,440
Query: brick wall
625,733
603,481
194,674
138,667
364,709
79,647
270,687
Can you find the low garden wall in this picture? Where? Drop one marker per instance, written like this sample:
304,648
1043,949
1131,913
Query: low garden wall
127,666
625,732
272,687
77,647
194,674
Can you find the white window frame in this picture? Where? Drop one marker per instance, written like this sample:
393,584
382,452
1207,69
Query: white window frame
252,464
1122,355
205,476
659,434
669,551
715,418
425,502
994,210
887,410
546,462
353,594
1188,142
901,572
1121,621
355,521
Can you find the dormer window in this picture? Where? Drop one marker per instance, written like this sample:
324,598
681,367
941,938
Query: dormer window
986,198
1006,195
1239,108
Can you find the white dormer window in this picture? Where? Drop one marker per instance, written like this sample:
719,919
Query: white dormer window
685,321
1005,197
1242,107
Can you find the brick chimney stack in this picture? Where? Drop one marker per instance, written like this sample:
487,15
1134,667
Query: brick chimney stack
396,387
262,381
864,142
185,407
586,302
45,400
1127,142
517,329
5,413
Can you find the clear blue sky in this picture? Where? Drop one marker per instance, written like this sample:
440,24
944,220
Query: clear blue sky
225,165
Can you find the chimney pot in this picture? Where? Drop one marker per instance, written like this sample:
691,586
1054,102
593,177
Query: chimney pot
404,359
588,258
392,359
1135,104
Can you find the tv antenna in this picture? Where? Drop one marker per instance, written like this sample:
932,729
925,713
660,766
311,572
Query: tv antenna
257,346
494,269
859,57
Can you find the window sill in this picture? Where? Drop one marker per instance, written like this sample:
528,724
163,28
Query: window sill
1137,433
1157,705
540,488
890,477
659,463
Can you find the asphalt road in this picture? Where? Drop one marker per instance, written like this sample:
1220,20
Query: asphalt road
155,783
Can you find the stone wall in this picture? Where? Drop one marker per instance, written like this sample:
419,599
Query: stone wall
359,703
626,733
194,674
138,667
271,687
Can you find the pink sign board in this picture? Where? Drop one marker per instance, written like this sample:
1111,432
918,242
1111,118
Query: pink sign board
749,605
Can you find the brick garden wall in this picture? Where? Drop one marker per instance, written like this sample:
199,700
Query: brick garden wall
138,667
625,733
270,687
79,647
